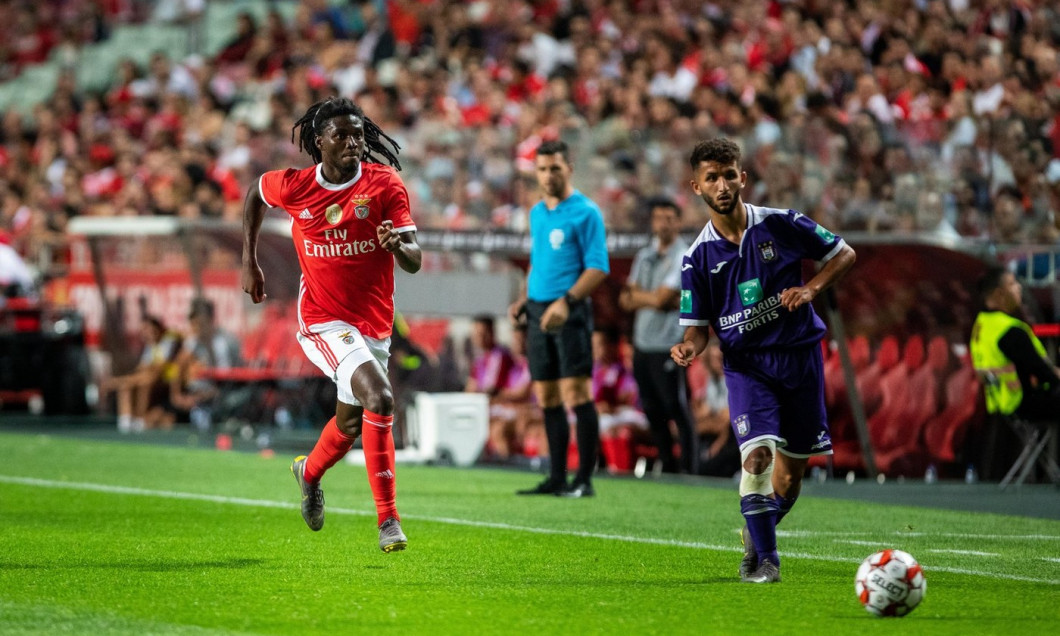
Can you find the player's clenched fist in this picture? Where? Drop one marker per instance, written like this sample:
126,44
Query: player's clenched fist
683,353
254,283
388,236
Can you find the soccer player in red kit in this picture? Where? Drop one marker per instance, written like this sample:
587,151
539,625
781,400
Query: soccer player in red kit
350,221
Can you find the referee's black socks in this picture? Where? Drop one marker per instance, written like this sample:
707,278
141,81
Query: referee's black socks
587,429
558,433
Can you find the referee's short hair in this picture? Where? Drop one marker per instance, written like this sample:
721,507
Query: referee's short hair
555,147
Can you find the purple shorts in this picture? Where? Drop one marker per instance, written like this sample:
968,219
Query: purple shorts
779,395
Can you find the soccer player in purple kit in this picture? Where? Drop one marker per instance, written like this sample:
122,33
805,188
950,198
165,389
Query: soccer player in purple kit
742,276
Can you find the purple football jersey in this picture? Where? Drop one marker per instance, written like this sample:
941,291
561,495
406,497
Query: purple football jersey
735,289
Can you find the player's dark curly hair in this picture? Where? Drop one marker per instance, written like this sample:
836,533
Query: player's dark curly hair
312,124
719,150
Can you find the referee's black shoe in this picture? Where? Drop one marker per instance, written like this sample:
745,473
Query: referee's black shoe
577,490
547,487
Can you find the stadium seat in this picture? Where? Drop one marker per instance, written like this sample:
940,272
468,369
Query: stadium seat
944,434
887,356
895,428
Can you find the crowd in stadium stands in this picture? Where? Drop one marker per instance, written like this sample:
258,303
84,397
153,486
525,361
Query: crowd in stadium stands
936,116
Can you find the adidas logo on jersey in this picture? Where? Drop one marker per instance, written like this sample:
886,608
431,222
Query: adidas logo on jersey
305,214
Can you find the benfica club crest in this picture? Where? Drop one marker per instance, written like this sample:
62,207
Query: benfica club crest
334,213
767,251
346,337
360,207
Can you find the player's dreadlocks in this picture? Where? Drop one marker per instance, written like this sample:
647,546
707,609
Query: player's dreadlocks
376,142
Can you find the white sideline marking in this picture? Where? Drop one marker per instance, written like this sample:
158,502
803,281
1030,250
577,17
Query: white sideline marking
966,552
903,533
266,503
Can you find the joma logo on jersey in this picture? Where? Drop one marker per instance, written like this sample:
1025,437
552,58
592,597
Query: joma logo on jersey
767,251
750,292
360,207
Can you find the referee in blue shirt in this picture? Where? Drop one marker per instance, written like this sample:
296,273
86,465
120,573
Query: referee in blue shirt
568,261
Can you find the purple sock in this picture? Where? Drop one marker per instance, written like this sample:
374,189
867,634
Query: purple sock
760,511
786,504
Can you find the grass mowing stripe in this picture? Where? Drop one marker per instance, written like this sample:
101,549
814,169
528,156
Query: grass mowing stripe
33,620
264,503
905,533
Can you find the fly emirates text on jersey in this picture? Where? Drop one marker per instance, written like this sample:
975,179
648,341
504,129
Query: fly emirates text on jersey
337,245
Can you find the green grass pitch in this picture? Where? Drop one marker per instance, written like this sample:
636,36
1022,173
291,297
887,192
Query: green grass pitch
114,538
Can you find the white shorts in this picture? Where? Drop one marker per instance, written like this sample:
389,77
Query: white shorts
338,348
624,416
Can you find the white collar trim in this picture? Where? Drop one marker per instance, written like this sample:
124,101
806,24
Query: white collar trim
323,183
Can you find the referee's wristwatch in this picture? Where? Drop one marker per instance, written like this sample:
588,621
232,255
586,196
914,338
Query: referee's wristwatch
569,299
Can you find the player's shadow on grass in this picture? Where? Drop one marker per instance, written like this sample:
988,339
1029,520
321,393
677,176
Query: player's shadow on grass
187,566
169,565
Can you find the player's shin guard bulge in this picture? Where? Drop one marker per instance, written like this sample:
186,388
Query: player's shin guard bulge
759,509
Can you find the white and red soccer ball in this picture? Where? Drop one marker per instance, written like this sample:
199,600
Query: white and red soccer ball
890,583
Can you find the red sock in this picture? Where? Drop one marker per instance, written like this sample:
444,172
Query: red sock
379,460
331,447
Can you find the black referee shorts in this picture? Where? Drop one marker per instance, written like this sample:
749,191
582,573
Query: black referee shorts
564,353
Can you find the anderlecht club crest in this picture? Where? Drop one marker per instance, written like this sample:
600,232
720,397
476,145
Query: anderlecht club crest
767,251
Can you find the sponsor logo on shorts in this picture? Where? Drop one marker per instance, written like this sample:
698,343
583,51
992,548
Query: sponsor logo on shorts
823,441
743,424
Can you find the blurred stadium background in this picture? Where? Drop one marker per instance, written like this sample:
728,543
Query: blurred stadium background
927,132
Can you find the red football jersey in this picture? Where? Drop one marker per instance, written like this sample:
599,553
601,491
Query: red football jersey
346,274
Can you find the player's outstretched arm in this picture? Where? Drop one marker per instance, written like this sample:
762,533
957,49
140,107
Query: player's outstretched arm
403,246
253,214
696,338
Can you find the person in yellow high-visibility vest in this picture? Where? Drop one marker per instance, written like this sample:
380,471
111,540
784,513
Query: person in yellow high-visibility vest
1017,375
